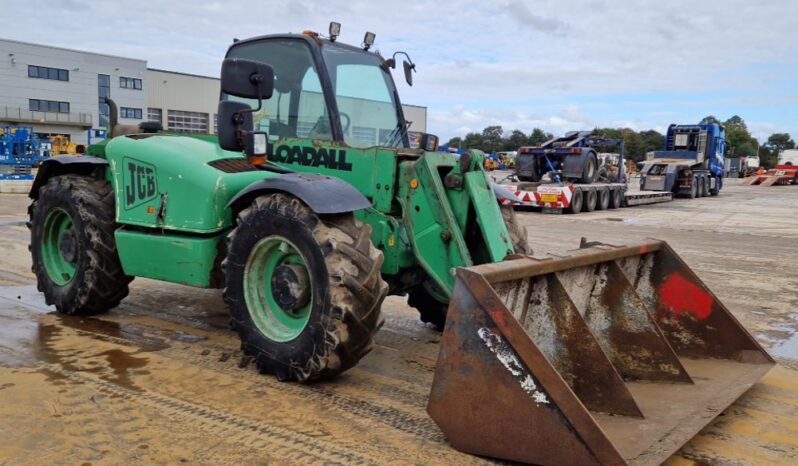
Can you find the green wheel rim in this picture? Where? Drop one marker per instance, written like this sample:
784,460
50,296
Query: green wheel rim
274,322
60,264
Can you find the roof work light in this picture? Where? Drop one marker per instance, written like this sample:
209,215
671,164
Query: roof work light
368,40
335,30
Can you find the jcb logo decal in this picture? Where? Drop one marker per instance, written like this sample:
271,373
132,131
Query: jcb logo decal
334,159
140,184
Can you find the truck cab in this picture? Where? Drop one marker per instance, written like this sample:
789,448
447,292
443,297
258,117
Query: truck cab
691,164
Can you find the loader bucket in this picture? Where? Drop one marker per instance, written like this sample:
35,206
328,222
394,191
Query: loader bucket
608,355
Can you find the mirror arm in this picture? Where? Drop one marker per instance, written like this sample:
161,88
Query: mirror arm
239,120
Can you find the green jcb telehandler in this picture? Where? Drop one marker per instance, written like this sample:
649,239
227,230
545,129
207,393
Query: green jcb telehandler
310,207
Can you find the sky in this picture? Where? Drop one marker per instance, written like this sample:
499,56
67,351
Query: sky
559,65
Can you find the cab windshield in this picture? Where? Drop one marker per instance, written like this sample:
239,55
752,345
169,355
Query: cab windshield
366,98
364,93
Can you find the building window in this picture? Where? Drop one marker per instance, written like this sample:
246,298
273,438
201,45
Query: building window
44,72
215,123
128,112
38,105
130,83
187,122
103,92
155,114
365,137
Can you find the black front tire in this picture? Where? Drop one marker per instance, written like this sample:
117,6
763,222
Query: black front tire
430,310
98,283
344,269
716,190
589,169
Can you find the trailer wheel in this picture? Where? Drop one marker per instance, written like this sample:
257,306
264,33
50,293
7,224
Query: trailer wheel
304,290
704,186
534,175
577,199
589,169
603,199
694,188
616,199
716,190
590,201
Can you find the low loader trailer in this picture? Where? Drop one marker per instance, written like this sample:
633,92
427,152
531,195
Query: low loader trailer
576,198
779,176
610,355
602,187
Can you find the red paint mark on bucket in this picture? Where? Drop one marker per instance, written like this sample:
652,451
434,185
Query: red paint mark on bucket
677,295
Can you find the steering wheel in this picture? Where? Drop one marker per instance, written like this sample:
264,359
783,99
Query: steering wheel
348,122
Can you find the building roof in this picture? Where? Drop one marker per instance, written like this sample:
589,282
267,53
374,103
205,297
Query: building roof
184,74
71,50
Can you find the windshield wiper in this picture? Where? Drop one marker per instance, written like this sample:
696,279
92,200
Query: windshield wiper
396,137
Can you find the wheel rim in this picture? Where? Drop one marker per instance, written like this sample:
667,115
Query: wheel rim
277,290
59,247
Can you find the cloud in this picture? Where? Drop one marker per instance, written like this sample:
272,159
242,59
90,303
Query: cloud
519,12
637,61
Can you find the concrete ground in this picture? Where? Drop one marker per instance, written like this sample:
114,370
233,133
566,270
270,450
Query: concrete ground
160,379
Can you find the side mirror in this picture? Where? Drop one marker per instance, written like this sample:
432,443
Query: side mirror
409,68
247,78
233,116
250,80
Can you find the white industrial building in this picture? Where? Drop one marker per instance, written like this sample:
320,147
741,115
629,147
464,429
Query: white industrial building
58,91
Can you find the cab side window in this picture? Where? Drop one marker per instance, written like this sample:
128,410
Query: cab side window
297,107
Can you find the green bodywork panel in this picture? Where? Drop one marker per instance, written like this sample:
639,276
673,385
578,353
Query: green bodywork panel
164,181
168,190
175,258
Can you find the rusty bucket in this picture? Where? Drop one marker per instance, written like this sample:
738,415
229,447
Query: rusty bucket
608,355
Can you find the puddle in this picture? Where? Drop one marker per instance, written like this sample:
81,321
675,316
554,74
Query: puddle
786,349
784,339
627,221
114,365
31,333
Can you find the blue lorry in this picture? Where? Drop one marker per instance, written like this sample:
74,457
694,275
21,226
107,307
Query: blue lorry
691,164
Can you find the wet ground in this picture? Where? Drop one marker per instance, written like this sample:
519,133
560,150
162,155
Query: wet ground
160,380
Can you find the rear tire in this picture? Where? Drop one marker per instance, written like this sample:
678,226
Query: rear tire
589,169
577,199
590,201
616,199
603,199
694,189
534,175
74,254
332,327
704,186
716,190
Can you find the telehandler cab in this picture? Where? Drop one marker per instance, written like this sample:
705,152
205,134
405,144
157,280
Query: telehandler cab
310,206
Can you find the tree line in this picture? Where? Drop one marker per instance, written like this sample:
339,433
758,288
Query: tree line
739,141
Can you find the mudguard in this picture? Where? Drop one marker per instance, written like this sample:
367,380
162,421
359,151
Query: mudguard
79,164
323,194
